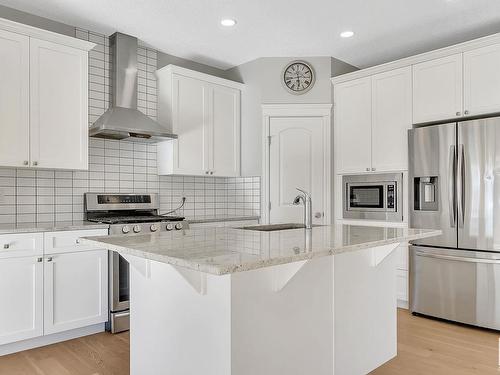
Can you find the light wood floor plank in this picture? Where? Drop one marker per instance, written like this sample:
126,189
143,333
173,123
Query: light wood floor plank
425,347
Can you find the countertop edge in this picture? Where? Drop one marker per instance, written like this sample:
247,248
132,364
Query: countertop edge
221,271
221,219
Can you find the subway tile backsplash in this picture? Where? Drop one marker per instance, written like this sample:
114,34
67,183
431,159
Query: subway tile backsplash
28,195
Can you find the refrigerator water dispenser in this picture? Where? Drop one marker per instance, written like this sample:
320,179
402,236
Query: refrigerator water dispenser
426,193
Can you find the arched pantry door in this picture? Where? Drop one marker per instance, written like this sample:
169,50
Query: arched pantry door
297,156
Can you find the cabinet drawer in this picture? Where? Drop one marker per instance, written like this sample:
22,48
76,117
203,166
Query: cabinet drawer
68,241
19,245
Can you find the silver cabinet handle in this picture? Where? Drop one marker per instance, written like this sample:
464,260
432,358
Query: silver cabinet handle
461,185
368,169
373,169
49,259
451,186
39,260
77,241
318,215
6,246
26,162
457,258
459,113
206,172
211,172
35,163
466,112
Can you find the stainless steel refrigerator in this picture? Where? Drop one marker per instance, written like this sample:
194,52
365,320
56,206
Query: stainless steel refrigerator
454,185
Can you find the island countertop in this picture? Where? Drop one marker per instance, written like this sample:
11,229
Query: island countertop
222,251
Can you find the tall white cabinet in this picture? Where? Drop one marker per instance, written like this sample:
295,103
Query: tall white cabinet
204,111
43,98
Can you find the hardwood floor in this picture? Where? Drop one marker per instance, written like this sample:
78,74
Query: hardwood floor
433,347
425,347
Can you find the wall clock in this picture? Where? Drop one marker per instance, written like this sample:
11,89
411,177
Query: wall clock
298,77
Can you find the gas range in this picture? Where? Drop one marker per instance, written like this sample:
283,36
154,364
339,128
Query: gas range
130,214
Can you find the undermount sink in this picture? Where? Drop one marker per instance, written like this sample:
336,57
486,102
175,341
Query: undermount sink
275,227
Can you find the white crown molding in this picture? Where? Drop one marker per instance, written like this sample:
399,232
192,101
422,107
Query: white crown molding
201,76
412,60
49,36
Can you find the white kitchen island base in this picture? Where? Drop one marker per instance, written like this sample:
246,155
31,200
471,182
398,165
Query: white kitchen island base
326,315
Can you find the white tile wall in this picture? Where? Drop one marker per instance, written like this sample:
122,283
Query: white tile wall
119,166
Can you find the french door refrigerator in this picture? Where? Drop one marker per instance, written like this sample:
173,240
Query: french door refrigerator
454,185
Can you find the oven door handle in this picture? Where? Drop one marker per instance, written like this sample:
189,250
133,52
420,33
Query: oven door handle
457,258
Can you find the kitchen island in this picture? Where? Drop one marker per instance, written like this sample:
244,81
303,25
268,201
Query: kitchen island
227,301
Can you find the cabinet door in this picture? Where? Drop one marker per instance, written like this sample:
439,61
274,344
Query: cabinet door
14,99
21,293
224,145
437,89
353,117
191,119
391,119
59,106
482,81
75,290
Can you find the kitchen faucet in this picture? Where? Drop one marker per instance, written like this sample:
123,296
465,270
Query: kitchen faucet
305,197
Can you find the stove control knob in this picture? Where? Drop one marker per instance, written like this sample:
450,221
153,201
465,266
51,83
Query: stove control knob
137,228
126,229
153,227
178,226
170,226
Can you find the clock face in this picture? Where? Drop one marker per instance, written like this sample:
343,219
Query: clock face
298,77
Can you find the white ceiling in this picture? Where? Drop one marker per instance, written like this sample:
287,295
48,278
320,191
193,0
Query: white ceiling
385,29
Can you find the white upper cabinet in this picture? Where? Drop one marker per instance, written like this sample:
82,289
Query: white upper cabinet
352,126
224,155
437,89
14,99
59,106
391,119
204,111
43,98
482,80
372,116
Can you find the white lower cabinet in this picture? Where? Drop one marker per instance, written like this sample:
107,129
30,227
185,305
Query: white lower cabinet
402,276
43,292
21,293
75,290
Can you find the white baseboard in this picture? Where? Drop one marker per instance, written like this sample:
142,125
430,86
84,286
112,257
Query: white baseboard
403,304
50,339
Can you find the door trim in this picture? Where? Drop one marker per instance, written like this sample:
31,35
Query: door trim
296,110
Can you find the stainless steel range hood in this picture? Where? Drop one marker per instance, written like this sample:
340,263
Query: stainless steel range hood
123,120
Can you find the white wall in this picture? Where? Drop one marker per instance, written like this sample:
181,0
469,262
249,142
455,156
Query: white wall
262,78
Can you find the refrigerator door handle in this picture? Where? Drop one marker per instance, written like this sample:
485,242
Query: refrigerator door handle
461,186
451,187
457,258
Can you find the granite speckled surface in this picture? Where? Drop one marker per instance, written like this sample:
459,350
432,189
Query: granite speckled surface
222,251
51,226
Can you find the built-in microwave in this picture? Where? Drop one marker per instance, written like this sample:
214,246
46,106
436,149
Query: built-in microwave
373,196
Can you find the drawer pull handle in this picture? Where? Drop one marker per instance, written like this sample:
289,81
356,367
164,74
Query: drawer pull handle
49,259
6,246
77,240
39,260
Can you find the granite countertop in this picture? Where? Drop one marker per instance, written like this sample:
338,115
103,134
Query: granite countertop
221,251
51,226
215,219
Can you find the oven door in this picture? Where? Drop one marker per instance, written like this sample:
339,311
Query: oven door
119,286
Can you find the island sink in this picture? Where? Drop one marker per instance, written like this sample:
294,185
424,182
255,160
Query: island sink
275,227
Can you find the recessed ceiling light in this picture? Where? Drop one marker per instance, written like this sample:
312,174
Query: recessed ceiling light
228,22
346,34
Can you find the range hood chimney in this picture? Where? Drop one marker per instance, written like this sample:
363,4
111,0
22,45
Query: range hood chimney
123,120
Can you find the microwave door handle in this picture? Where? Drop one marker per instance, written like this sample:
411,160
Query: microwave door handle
451,186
